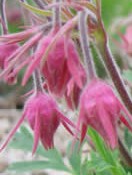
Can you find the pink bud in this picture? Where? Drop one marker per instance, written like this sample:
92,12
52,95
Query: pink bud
40,110
62,64
101,109
44,118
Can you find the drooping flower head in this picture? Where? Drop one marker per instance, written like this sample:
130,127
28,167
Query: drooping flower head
62,64
101,109
42,114
40,111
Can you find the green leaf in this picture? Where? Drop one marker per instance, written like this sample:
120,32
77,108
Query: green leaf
29,166
74,158
101,147
128,138
23,140
127,74
107,155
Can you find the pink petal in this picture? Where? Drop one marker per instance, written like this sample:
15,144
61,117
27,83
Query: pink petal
67,128
74,64
126,123
27,94
30,70
36,132
123,109
65,119
19,67
17,37
83,132
107,125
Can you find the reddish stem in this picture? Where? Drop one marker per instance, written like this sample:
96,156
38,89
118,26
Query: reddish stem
85,45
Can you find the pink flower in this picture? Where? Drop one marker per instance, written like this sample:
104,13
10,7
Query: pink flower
101,109
62,64
55,70
43,115
127,40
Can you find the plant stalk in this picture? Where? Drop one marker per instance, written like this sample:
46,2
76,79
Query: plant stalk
56,15
85,45
3,17
40,4
38,84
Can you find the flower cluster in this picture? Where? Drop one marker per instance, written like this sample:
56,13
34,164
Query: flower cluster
51,55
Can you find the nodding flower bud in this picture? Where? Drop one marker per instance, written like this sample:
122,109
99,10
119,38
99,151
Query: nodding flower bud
44,117
62,64
101,109
40,111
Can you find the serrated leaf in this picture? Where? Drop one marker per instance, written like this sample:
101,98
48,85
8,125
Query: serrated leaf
101,147
106,154
23,140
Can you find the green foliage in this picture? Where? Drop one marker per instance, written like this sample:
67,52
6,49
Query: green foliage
127,74
52,159
110,158
100,69
128,138
112,9
102,160
74,157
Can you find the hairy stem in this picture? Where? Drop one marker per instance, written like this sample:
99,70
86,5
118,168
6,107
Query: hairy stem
85,45
56,15
116,77
38,84
126,157
3,17
40,3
